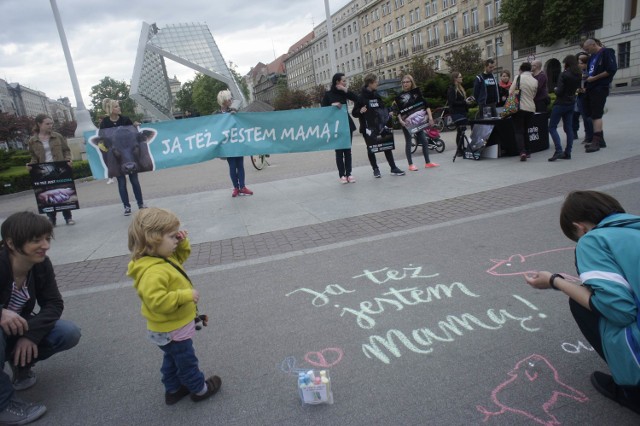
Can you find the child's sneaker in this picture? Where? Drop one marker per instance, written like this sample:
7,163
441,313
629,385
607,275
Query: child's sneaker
344,179
397,172
127,211
431,165
172,398
413,167
213,386
245,191
351,179
23,377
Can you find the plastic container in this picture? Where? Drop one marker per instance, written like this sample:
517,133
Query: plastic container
314,387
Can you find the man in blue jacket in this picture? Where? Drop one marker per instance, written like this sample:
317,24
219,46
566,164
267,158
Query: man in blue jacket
602,67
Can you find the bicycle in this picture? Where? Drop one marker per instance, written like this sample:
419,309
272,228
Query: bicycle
434,142
260,161
442,119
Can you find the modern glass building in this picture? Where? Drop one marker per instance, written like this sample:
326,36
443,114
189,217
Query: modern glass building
191,45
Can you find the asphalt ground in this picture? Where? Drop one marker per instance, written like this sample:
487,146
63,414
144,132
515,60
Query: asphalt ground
280,276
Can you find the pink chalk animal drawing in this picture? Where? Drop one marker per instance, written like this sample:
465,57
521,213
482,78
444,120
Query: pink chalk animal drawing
325,358
519,264
534,376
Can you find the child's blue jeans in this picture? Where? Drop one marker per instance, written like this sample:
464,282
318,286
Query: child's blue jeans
180,367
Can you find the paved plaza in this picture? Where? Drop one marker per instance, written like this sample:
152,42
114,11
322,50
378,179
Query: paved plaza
286,275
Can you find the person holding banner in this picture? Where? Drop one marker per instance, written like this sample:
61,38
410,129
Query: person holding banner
373,116
236,164
47,146
115,119
28,334
412,111
337,96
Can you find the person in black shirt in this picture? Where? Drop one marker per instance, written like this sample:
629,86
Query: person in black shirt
337,96
115,119
485,89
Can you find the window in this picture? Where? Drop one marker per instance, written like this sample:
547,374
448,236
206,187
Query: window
445,4
489,49
427,9
624,54
417,11
434,6
465,23
488,12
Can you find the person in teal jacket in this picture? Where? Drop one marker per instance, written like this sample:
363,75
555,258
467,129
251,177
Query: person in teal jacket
158,249
606,306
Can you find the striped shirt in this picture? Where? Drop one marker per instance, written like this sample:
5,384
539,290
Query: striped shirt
18,299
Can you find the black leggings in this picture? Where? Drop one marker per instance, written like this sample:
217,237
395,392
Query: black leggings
588,323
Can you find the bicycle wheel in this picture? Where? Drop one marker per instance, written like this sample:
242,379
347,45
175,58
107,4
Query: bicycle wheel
414,144
438,123
451,125
258,161
438,145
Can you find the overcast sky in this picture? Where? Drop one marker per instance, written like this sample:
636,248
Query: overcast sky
103,36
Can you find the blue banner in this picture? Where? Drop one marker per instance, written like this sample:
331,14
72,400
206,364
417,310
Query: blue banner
154,146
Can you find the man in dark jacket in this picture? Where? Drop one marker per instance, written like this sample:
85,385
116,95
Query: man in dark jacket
485,89
373,116
602,67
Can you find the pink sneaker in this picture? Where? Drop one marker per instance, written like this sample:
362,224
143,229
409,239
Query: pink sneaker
413,168
351,179
235,192
431,165
245,191
344,179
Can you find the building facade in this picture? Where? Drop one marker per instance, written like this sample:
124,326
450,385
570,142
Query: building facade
346,41
299,65
393,32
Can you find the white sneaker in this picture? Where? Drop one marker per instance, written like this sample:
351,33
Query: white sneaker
109,181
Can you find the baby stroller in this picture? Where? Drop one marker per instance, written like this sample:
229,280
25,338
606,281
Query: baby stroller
434,142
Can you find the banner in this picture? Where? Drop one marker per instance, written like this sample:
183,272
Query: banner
122,150
54,187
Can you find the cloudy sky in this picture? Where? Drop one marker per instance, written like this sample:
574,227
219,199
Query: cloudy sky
103,36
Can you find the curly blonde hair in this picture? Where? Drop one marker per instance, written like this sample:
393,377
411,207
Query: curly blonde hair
147,229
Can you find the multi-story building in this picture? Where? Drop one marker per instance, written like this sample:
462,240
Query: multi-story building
60,110
6,101
299,65
346,41
267,79
394,31
28,102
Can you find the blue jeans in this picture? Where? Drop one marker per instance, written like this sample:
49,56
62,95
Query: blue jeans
236,171
564,112
421,138
180,367
64,335
124,194
586,120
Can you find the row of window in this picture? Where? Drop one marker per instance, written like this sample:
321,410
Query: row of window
344,67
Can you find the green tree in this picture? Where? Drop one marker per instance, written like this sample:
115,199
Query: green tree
533,22
317,93
184,98
244,88
466,60
205,94
112,89
356,83
290,99
422,69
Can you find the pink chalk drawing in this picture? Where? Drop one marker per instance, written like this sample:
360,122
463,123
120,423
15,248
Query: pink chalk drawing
519,264
539,379
326,358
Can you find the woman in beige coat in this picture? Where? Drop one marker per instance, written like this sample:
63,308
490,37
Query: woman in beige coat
46,146
522,119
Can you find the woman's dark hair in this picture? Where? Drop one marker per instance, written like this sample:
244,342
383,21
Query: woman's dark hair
571,63
586,206
336,78
23,227
526,66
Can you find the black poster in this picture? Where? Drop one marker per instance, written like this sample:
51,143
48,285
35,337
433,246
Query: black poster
54,187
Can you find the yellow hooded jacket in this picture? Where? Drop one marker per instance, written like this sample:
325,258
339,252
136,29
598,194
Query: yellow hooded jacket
167,296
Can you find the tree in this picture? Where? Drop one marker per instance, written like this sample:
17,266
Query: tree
290,99
317,93
67,129
356,83
466,60
15,128
108,88
205,93
421,69
241,81
184,98
533,22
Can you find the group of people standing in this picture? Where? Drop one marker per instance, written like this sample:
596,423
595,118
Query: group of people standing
373,116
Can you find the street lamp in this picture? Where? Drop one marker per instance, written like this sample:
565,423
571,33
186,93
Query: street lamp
499,43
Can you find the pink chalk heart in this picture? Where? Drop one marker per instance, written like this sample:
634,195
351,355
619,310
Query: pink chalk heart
326,358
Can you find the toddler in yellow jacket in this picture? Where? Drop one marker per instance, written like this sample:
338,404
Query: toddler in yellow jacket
158,249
